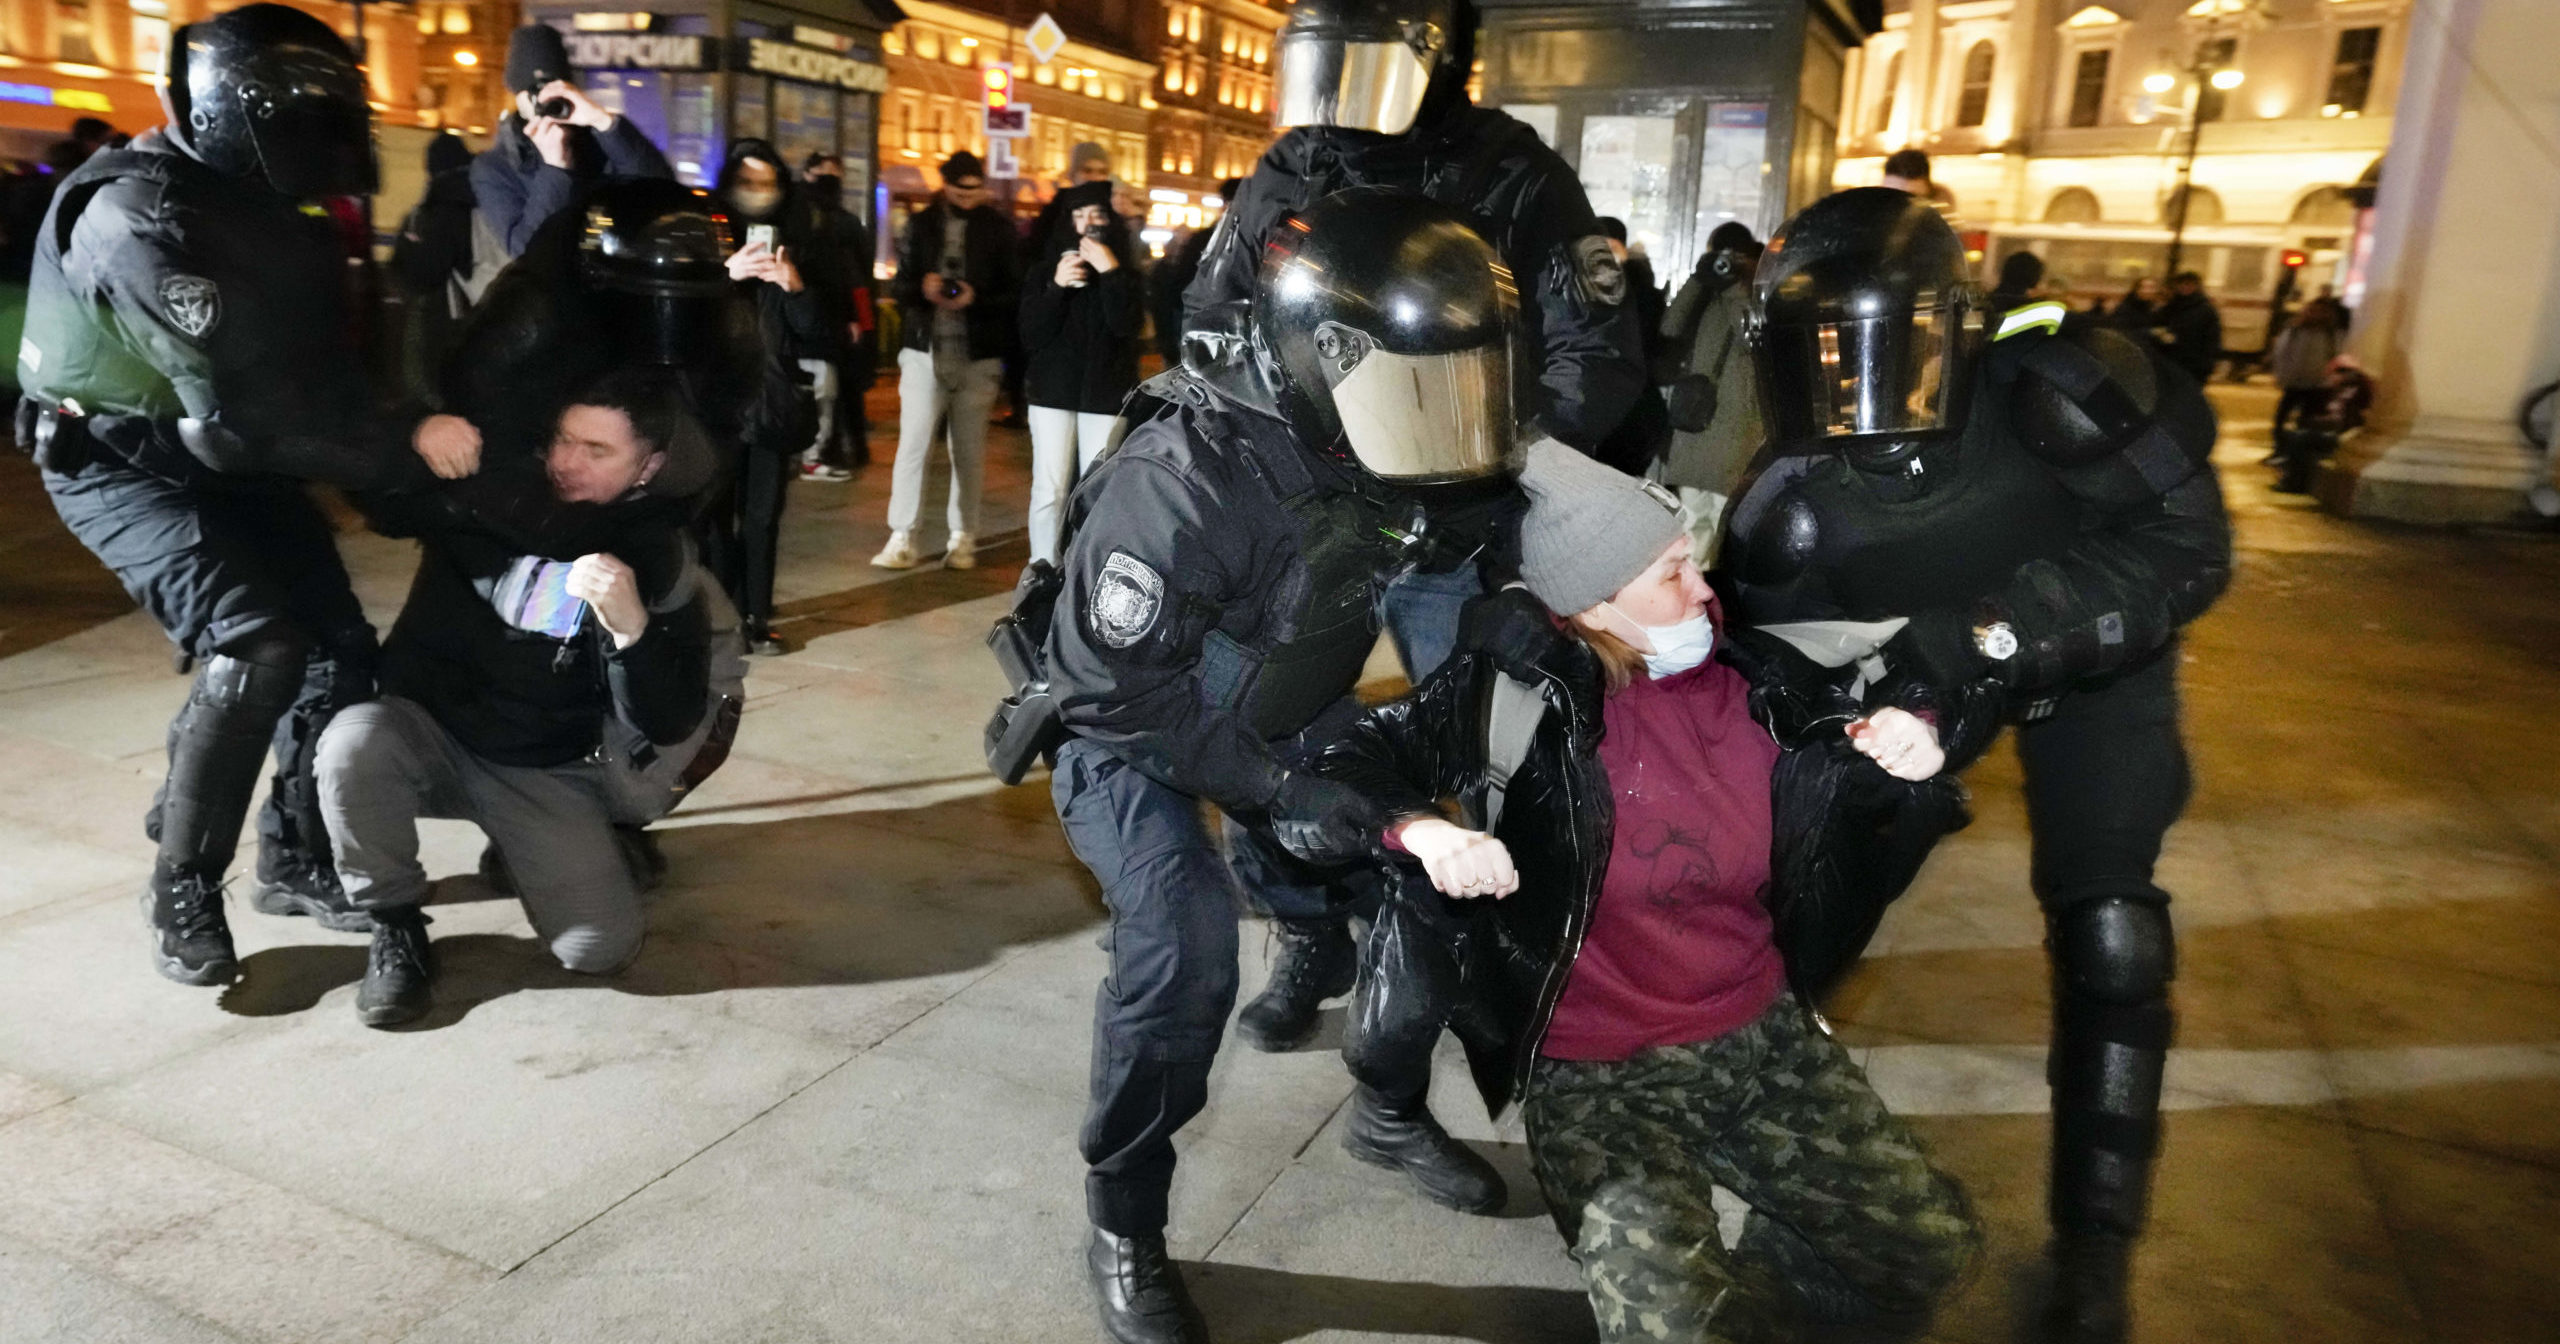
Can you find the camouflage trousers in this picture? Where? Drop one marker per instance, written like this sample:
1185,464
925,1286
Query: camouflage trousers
1848,1219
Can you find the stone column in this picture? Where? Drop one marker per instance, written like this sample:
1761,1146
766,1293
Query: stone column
2461,309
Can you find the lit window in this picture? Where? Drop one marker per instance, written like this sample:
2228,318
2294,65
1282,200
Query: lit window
457,19
894,42
1173,76
1257,97
928,45
1192,27
1118,89
2351,74
1191,79
426,18
2089,87
1227,38
1973,105
1884,97
1173,26
1044,73
71,32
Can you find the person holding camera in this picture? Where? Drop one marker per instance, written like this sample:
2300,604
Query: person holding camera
555,139
1705,368
958,278
1081,320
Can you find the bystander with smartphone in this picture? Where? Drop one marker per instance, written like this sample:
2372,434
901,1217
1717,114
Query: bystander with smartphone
772,236
1083,313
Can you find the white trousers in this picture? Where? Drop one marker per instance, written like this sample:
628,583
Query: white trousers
963,392
1064,445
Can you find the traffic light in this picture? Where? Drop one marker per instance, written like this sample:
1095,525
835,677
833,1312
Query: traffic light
999,85
2295,258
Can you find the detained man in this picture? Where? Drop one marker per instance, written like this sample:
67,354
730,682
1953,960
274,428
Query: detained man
563,672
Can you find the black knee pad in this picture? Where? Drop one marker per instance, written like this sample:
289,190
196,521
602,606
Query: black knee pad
260,666
2113,949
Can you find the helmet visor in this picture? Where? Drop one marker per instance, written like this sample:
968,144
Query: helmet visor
306,113
1425,419
1360,84
1893,375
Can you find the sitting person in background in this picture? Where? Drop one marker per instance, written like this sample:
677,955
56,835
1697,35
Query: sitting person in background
562,673
2299,450
1610,955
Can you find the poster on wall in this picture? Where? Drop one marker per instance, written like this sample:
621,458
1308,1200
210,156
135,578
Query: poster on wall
750,114
1626,168
693,129
1733,167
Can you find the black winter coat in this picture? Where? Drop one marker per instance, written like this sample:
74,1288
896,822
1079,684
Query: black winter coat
519,697
1082,343
994,257
165,292
1848,839
519,193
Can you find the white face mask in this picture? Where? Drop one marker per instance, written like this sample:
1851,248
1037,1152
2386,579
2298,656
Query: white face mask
755,204
1676,648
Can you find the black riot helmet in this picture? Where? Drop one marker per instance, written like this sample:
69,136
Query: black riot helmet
1868,326
269,93
658,252
1390,324
1367,65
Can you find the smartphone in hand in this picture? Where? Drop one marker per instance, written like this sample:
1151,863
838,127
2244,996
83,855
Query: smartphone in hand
760,233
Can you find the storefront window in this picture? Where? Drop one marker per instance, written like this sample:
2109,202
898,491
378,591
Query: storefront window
751,114
71,32
693,127
853,122
804,121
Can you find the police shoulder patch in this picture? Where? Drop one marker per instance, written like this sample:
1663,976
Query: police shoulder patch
1126,601
1602,275
193,304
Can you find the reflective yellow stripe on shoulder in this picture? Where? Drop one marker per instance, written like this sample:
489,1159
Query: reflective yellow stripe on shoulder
2046,315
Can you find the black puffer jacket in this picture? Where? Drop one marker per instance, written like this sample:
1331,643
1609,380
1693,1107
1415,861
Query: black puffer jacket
1082,342
1848,838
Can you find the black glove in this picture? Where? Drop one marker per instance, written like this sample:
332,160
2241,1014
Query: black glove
1512,628
1324,821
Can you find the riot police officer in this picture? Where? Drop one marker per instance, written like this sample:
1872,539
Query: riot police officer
1220,580
2037,503
1373,93
189,361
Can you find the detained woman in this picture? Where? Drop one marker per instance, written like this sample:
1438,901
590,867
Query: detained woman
1608,956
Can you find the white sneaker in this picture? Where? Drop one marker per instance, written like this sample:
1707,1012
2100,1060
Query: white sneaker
900,553
963,553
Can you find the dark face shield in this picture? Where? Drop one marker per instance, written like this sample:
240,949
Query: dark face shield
1367,79
1421,419
307,117
1894,377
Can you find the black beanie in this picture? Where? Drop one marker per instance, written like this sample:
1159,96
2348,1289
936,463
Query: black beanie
536,56
963,164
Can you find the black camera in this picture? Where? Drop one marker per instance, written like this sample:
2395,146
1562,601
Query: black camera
558,109
951,288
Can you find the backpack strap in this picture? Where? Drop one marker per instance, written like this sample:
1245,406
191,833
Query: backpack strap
1513,710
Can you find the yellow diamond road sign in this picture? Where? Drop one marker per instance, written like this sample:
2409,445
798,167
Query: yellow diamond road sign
1045,38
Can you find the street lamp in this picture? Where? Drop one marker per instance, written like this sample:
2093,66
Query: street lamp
2205,70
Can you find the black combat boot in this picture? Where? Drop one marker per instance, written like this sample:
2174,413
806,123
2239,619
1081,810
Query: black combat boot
1139,1292
2090,1272
292,883
184,909
398,971
1317,962
1403,1136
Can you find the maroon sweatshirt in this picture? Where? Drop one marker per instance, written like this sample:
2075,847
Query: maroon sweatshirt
1679,949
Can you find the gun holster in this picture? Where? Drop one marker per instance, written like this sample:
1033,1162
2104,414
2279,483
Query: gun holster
56,436
1026,725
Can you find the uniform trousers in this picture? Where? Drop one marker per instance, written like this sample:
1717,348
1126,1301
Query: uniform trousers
220,567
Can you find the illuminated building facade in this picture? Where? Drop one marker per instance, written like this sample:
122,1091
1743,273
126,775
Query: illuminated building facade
61,60
2062,127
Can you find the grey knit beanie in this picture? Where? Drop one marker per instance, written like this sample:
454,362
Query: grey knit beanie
1590,530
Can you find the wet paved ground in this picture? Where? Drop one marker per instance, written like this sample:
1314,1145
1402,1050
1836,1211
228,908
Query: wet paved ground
836,1098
